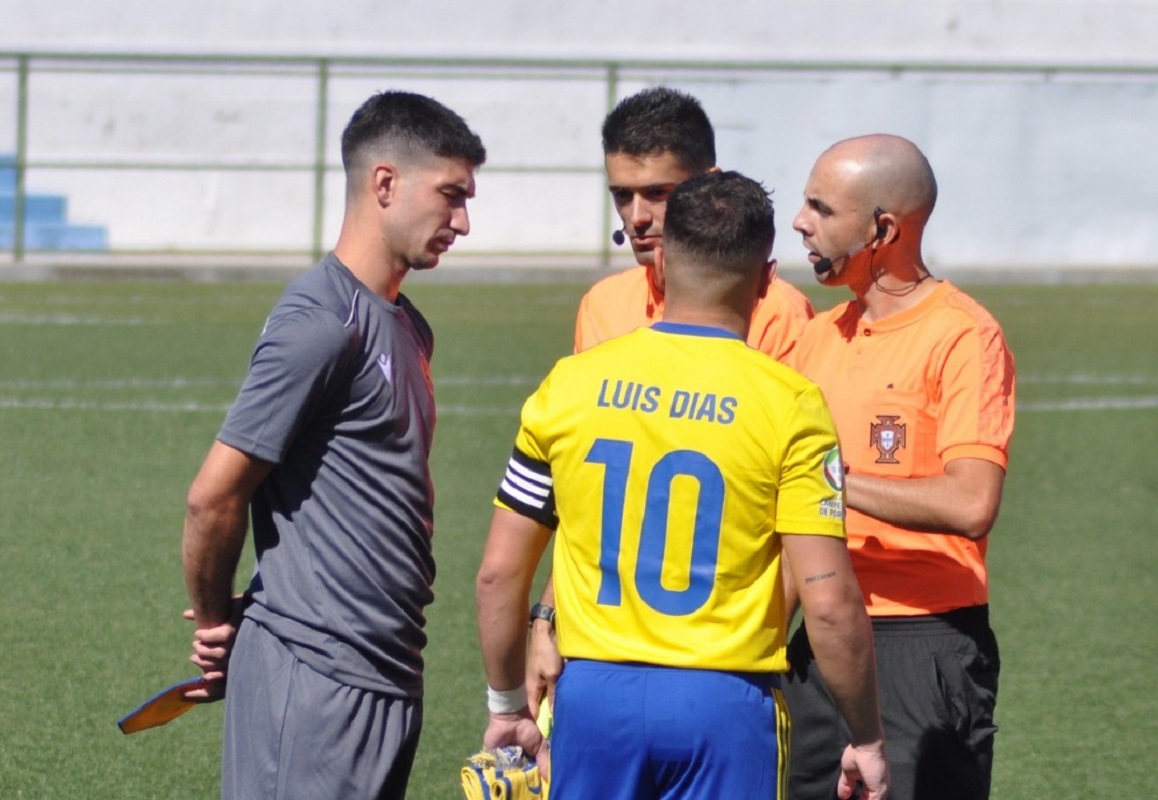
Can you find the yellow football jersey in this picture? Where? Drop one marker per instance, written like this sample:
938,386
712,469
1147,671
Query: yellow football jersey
670,459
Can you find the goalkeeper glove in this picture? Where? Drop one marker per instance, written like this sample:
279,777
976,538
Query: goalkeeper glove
502,774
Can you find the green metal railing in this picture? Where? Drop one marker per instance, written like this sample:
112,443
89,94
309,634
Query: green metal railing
324,70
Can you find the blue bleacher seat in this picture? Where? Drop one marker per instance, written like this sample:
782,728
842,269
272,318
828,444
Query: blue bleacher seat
46,225
37,208
52,236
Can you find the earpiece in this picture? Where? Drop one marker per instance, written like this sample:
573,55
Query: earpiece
881,228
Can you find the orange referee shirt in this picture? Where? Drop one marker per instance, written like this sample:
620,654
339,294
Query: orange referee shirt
909,394
627,300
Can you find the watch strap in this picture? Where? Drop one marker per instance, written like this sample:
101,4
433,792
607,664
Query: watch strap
545,612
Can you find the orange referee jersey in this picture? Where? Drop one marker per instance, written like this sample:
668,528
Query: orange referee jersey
909,394
627,300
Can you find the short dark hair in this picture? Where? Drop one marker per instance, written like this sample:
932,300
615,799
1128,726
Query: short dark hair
660,120
723,220
409,125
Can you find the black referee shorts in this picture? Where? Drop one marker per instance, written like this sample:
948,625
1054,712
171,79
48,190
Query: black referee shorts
938,687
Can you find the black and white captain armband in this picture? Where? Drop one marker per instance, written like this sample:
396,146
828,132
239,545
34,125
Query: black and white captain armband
528,489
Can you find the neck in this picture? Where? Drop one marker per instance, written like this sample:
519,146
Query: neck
893,286
729,319
370,265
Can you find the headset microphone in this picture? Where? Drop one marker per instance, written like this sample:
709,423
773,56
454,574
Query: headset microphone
824,266
618,237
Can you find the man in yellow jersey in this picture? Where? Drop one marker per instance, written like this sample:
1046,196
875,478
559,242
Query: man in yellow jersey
652,141
921,387
676,465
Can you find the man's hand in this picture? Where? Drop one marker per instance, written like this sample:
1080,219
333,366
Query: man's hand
519,729
544,664
864,765
211,650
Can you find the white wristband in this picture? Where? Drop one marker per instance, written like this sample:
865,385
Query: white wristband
507,702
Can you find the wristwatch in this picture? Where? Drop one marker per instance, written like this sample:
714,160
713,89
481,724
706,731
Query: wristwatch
540,611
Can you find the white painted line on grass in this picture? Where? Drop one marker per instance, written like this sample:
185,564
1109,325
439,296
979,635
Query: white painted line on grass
488,380
69,320
42,404
181,383
115,383
17,404
79,405
1091,404
479,411
1091,380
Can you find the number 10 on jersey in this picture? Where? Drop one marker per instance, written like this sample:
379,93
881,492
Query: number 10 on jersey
707,517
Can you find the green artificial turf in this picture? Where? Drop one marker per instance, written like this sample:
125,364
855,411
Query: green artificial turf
110,394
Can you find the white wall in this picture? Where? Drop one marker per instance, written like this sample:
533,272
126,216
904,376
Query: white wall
1047,30
1036,170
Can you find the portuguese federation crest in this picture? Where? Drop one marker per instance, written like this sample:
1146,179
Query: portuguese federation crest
887,436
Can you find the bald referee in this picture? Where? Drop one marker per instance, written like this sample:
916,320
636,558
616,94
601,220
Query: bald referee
920,382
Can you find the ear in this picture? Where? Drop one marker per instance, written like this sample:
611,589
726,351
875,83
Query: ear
658,276
887,229
714,169
766,276
384,180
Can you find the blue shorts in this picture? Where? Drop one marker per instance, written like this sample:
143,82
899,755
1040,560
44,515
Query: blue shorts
632,732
